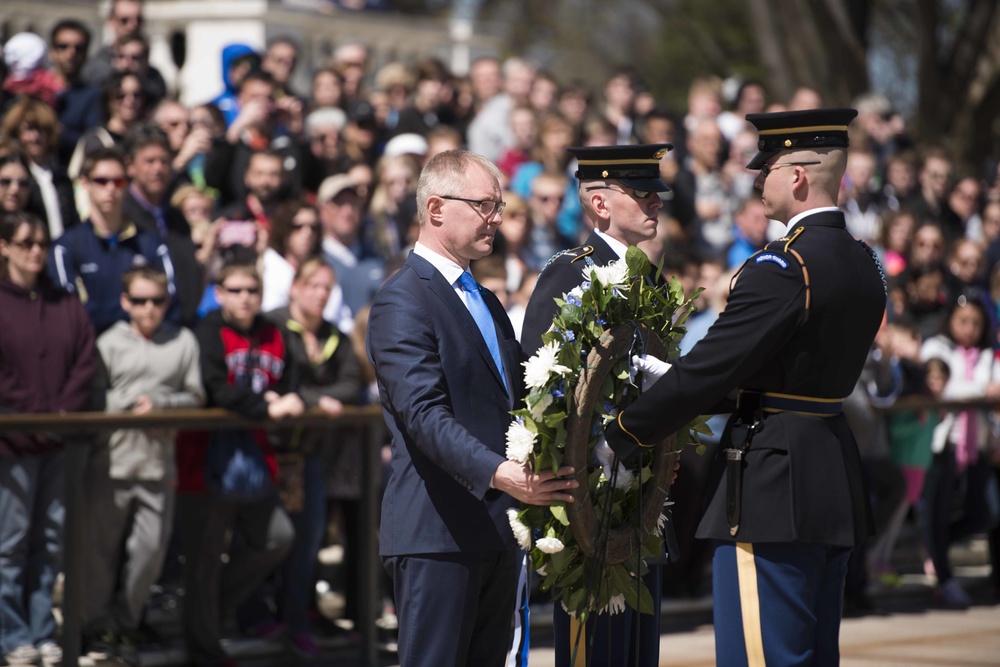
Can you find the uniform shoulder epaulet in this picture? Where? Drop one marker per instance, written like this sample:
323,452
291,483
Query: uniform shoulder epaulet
776,252
572,253
878,263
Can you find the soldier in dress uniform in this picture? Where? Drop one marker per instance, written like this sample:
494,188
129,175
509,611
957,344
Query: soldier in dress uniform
619,189
789,502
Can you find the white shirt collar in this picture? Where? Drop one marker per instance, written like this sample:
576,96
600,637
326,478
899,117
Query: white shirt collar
447,268
616,245
795,220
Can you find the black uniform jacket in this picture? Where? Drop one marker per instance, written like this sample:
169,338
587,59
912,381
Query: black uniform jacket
800,320
563,272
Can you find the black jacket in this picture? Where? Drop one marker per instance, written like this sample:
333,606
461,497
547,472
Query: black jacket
800,320
563,272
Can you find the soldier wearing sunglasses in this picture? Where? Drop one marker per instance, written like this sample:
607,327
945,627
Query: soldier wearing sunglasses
619,189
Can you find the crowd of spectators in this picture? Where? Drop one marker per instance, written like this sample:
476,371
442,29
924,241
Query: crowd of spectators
301,202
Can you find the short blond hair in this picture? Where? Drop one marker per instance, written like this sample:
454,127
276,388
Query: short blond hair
447,173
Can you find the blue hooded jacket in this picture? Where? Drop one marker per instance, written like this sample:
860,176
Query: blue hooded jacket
227,102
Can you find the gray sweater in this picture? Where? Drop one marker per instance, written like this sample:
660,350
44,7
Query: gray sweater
166,369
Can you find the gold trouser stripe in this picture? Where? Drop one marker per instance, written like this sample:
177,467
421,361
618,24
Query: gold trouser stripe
746,572
577,646
803,130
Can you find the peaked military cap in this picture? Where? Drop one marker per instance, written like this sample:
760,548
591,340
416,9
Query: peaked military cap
790,130
636,166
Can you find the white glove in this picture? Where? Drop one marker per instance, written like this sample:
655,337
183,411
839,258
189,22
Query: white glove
603,454
652,369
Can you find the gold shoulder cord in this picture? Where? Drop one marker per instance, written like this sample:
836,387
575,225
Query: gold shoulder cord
805,271
587,249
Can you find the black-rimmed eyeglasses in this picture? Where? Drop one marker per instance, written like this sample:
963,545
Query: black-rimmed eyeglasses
488,208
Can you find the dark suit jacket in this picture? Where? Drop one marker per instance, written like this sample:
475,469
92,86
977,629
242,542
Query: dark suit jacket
447,411
560,275
800,320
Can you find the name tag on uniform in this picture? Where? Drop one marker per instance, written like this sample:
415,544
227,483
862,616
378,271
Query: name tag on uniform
775,259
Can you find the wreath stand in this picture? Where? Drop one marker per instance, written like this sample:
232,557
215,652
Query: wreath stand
623,542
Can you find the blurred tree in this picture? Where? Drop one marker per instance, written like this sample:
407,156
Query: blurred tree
938,60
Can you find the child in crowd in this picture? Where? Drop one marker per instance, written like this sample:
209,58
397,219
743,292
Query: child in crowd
910,434
150,365
961,463
245,369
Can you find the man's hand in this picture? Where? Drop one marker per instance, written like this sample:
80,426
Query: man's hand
542,489
289,405
142,405
652,369
199,140
330,406
253,114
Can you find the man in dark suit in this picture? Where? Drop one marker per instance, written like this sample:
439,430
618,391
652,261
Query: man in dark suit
789,501
448,369
619,189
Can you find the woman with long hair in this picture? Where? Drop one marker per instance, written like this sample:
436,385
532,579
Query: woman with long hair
329,377
393,207
49,363
123,102
961,475
32,126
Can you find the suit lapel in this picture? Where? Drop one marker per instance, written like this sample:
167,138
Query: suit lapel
446,293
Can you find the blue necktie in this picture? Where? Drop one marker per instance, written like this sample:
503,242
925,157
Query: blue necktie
481,314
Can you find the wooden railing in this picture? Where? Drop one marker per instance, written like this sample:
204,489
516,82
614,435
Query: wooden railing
78,429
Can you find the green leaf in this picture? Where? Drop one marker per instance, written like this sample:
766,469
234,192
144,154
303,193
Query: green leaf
637,262
571,313
676,290
559,512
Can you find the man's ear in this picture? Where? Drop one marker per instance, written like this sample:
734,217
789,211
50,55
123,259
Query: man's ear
435,209
599,203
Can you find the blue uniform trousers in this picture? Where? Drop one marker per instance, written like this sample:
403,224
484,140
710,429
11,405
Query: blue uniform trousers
614,636
777,603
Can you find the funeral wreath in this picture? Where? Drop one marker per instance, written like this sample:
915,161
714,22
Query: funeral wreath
616,312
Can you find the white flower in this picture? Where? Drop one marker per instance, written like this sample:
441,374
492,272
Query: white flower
520,442
616,605
538,369
549,545
539,408
521,532
542,571
615,273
